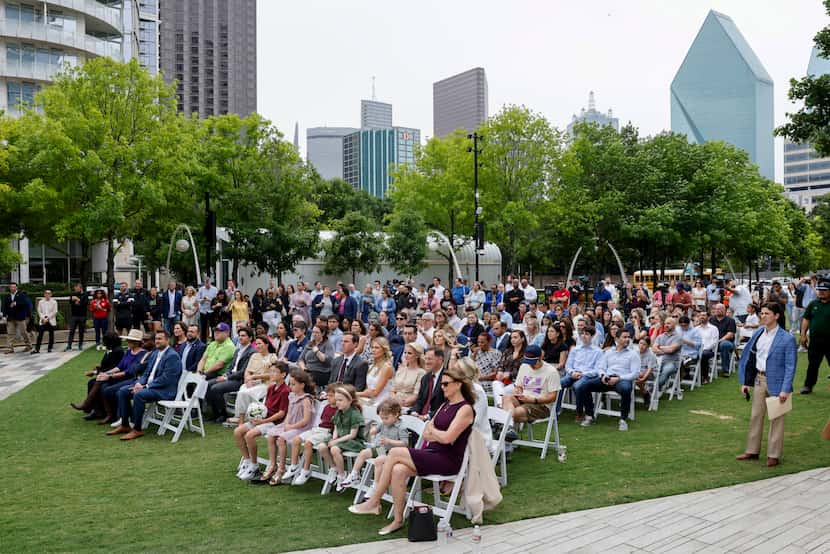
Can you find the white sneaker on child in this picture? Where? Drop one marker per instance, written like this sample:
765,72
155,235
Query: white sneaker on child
343,482
289,474
351,479
242,464
251,472
245,466
302,477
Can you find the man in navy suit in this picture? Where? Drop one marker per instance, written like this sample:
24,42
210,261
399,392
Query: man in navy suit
775,353
193,349
501,338
159,382
171,306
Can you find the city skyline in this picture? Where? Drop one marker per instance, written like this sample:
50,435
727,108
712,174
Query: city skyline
535,55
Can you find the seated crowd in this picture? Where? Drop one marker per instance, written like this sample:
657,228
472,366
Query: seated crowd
300,365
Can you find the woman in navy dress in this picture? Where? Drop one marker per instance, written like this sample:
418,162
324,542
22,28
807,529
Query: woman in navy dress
445,440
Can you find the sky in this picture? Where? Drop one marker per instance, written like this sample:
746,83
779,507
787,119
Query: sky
316,58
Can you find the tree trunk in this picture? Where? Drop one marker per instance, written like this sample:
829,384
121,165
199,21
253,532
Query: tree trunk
714,263
354,275
702,261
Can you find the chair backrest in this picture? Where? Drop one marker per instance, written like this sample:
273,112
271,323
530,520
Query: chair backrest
318,411
181,391
370,414
414,425
201,385
505,419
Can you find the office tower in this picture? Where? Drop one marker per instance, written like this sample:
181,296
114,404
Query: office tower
209,48
36,39
723,92
370,154
325,150
148,35
459,102
806,176
591,115
375,115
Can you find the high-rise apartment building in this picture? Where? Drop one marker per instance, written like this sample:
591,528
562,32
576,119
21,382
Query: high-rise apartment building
325,150
209,48
459,102
375,115
806,176
723,92
38,38
591,115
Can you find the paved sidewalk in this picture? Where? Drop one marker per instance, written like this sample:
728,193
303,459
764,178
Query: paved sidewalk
787,514
21,368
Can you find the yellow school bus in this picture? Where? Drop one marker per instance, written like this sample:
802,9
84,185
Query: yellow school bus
647,276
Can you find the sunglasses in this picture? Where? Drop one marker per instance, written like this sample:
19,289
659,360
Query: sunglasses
445,384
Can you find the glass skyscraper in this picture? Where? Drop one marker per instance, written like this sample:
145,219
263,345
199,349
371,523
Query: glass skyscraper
723,92
370,154
806,176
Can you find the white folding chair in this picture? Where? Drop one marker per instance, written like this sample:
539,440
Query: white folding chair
696,378
410,423
552,427
186,404
497,447
370,415
603,404
154,413
318,413
439,507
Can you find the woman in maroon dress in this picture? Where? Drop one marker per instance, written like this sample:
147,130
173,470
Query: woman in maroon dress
445,440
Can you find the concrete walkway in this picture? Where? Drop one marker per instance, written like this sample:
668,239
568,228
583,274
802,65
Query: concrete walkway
21,368
787,514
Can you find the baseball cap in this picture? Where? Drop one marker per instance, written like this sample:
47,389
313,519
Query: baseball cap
223,328
532,355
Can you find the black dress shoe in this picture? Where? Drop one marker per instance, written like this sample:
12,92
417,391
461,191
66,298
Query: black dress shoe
805,390
94,415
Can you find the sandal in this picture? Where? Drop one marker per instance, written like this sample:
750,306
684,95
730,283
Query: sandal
276,478
269,472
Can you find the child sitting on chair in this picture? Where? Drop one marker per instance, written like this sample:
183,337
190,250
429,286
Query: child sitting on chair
348,422
311,440
384,437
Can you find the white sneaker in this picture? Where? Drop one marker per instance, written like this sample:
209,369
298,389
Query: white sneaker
242,463
116,423
302,477
802,349
289,474
343,482
623,425
587,422
251,472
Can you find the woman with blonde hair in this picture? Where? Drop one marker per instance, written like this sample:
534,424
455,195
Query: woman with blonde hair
381,376
409,374
190,307
481,422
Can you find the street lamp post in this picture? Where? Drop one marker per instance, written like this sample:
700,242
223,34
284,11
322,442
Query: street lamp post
478,239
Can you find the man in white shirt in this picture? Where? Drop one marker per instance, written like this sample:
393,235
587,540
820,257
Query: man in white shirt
535,388
205,296
439,289
454,321
529,291
618,369
427,324
739,300
709,338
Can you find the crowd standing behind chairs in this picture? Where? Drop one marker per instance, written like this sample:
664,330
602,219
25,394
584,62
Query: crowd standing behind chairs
397,347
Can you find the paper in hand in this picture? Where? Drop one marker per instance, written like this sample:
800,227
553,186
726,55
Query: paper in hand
776,409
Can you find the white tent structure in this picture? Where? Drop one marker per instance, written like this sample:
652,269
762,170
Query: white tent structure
311,269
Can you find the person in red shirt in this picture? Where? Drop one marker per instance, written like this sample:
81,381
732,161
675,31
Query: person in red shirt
562,294
100,308
245,435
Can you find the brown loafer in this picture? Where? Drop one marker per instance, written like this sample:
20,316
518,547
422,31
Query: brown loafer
133,434
120,430
746,456
772,462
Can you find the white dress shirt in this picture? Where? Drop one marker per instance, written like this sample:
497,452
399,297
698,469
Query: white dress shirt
156,365
762,348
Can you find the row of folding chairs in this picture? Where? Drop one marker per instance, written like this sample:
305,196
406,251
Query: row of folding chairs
183,412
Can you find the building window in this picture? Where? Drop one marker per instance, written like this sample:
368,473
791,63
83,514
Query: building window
19,95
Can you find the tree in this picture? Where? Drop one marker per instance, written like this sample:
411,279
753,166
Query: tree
335,198
811,124
518,165
406,243
102,160
439,188
355,246
10,224
259,188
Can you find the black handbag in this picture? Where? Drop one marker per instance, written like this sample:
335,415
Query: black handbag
421,526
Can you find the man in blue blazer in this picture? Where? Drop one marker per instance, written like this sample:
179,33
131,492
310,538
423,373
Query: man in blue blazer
193,349
767,368
171,306
160,381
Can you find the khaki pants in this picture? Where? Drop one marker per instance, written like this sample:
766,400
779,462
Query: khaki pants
775,440
16,328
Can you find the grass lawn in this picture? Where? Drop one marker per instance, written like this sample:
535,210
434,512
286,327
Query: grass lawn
67,487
